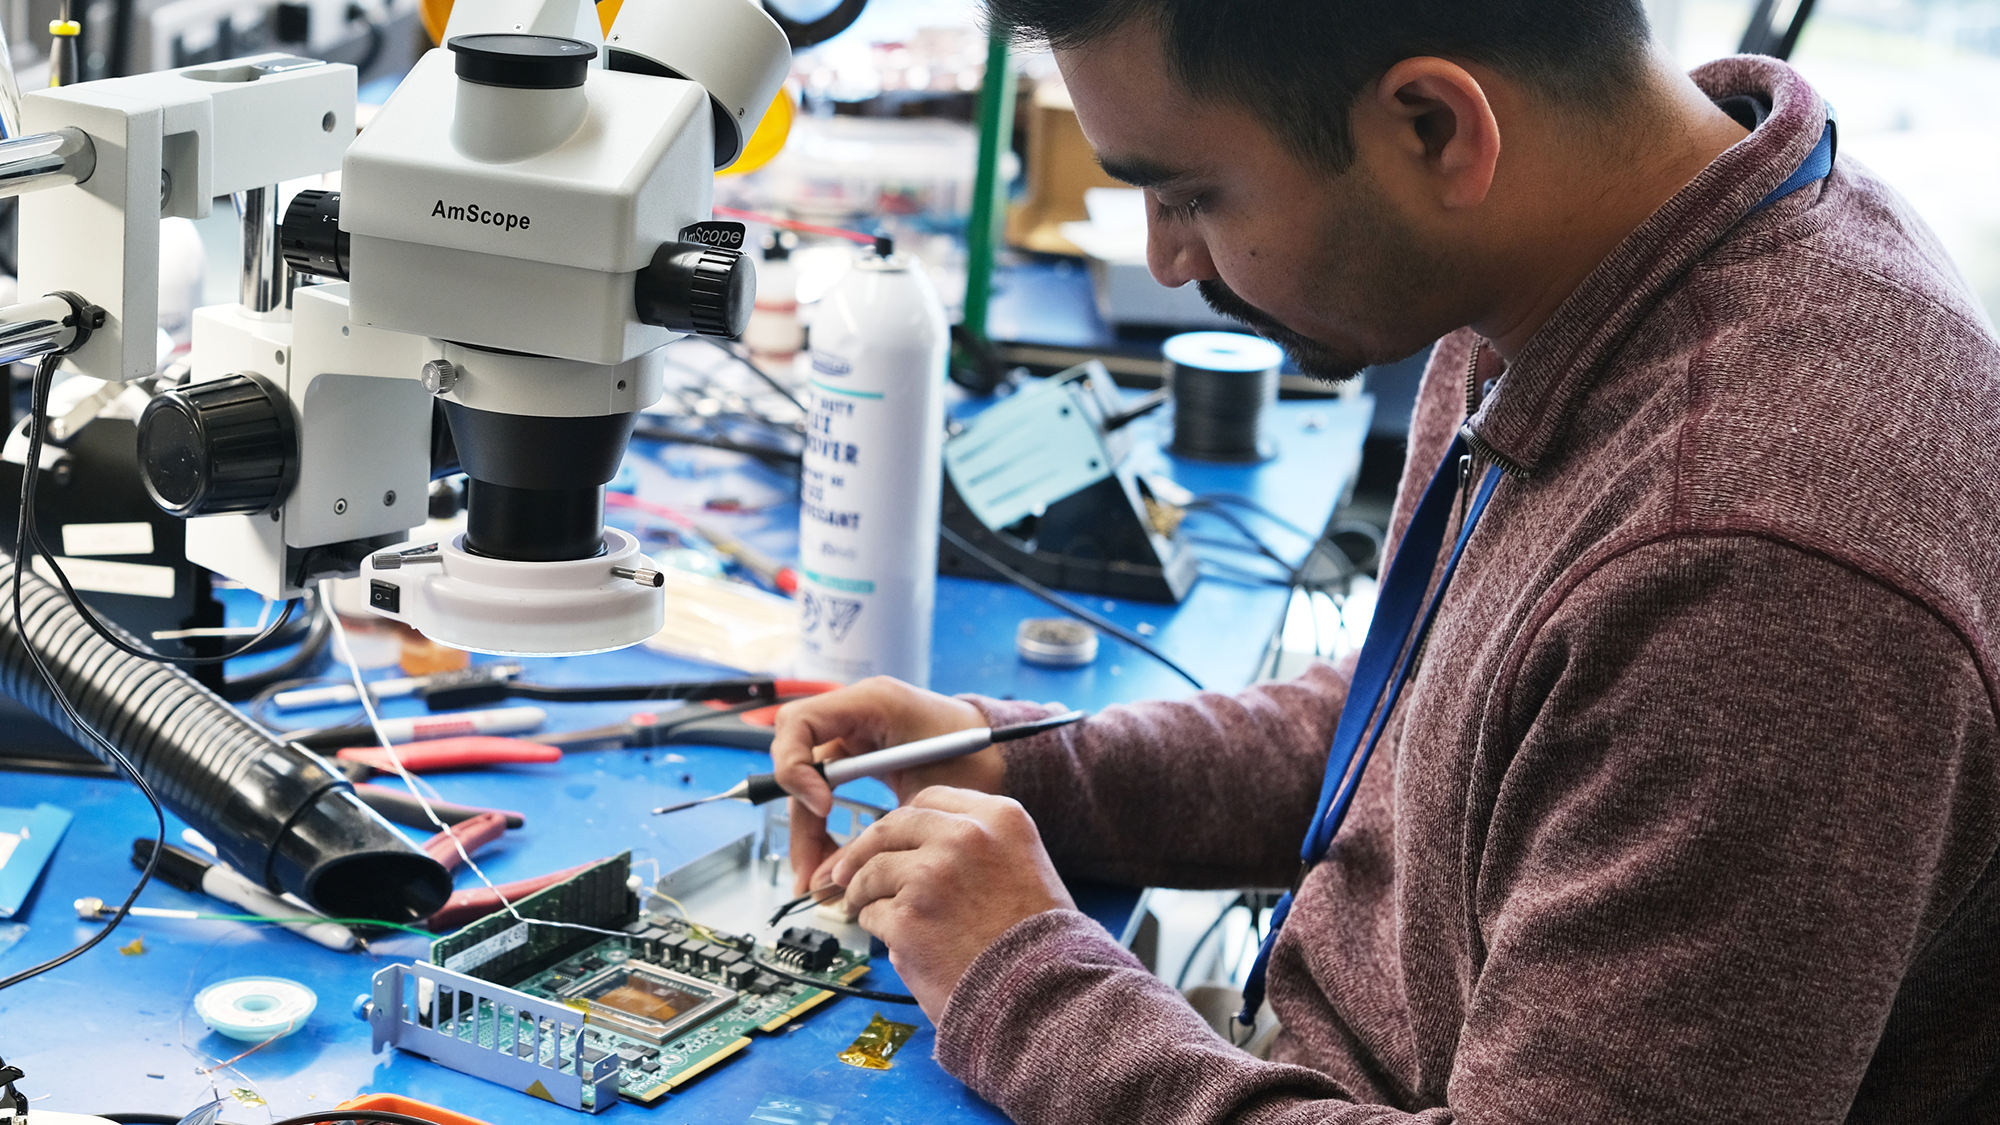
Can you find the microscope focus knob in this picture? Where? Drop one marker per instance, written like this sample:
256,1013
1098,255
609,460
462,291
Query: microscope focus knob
310,237
224,445
691,287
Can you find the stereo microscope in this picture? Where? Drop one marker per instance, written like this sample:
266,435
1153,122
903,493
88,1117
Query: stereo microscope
517,234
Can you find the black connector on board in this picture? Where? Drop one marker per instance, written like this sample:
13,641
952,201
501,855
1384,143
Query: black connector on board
808,949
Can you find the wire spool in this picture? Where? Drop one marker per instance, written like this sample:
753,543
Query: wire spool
255,1009
1223,385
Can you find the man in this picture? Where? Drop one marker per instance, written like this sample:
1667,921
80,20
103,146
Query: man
1689,808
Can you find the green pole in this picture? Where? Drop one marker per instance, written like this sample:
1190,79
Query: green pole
989,192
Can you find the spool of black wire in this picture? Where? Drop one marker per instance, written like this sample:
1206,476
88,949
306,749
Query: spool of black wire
1223,385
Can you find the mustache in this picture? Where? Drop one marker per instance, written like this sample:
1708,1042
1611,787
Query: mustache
1309,355
1225,302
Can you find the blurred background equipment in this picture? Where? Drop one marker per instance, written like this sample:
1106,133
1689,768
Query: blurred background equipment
1042,482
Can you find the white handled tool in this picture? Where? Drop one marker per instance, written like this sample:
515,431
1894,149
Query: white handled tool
760,788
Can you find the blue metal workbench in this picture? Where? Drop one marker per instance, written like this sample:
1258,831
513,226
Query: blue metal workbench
115,1032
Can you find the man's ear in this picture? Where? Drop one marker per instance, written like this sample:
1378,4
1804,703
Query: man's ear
1429,119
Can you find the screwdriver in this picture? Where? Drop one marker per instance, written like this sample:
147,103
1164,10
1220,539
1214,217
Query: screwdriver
763,787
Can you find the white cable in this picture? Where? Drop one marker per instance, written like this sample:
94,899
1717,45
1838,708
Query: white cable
346,655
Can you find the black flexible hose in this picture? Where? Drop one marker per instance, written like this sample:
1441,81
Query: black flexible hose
277,813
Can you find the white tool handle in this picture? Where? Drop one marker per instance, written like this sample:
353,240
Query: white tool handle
345,693
920,753
229,886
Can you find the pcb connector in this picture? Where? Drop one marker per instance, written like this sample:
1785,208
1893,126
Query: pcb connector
810,950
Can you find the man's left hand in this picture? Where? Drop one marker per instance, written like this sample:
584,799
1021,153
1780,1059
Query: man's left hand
941,878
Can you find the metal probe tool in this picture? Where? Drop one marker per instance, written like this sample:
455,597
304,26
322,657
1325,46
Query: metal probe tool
763,787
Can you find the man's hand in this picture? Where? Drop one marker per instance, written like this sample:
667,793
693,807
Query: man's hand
941,878
861,719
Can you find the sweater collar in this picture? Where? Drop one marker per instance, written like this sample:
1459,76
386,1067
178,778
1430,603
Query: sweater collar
1526,416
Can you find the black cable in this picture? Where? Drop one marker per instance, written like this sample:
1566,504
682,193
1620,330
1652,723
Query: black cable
1180,982
1223,572
318,630
141,651
1790,40
32,536
30,476
1210,499
376,38
1057,600
1374,535
757,370
796,978
675,437
809,899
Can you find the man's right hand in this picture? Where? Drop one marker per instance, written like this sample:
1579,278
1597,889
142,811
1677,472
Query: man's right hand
869,716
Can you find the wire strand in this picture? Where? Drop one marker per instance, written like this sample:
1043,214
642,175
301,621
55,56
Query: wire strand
1067,606
30,476
755,369
838,989
346,655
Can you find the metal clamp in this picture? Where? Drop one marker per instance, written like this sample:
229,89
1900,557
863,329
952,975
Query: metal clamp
57,324
394,560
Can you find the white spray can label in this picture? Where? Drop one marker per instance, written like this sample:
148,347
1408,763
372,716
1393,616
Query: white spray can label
868,489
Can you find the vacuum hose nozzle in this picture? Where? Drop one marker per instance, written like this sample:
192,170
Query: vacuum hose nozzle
277,812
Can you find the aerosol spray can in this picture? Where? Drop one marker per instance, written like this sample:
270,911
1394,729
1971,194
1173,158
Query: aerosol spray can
868,491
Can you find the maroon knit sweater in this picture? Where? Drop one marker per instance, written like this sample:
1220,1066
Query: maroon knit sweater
1690,812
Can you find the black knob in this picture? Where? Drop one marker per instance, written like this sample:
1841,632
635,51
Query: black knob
310,237
691,287
225,445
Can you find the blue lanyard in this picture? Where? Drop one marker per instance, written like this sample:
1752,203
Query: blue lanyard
1397,633
1394,638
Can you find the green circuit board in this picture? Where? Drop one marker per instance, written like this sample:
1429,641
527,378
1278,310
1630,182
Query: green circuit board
671,998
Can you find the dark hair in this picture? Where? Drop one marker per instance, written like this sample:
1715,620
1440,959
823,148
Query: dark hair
1300,64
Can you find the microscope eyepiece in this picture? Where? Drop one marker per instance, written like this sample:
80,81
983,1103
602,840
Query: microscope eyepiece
522,62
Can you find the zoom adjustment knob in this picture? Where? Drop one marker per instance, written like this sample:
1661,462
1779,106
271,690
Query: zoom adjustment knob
691,287
310,237
225,445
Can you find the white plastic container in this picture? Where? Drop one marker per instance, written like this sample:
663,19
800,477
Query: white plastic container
868,505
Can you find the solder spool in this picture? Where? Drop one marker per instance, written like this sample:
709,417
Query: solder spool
1223,386
255,1009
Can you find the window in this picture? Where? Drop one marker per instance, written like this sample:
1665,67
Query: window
1915,83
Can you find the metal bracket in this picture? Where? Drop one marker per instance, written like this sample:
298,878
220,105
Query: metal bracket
482,1029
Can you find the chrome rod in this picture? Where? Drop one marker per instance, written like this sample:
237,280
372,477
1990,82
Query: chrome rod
35,328
10,90
263,287
42,160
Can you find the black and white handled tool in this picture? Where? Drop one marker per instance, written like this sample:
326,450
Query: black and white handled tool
763,787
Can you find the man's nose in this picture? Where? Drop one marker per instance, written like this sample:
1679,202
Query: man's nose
1176,253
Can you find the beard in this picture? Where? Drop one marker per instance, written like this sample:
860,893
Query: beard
1376,273
1307,354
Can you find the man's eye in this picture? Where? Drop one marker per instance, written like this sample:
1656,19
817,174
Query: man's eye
1182,211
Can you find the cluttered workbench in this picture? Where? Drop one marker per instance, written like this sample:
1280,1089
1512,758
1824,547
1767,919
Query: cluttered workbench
115,1030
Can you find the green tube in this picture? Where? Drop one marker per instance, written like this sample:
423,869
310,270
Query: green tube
989,192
